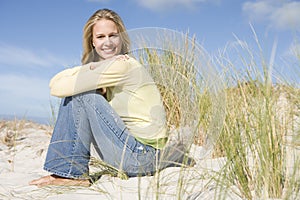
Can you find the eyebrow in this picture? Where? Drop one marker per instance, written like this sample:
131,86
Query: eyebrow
105,34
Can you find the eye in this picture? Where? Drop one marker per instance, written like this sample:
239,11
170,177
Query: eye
100,36
114,35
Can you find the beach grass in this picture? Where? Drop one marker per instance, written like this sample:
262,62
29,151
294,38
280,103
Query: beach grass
262,118
260,132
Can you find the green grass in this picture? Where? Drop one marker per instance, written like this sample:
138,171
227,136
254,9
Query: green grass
259,119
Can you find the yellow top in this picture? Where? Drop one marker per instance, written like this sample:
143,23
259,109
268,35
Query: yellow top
131,92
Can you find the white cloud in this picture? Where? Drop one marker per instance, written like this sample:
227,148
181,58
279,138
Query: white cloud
162,5
280,14
24,80
21,95
287,16
23,86
13,55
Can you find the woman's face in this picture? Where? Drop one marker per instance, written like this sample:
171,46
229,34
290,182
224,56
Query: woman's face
106,39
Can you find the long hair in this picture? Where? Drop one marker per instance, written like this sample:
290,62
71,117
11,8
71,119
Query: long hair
89,54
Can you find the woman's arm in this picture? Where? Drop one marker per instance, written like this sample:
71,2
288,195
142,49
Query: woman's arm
89,77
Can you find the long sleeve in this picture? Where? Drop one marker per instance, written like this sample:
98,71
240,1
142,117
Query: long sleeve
81,79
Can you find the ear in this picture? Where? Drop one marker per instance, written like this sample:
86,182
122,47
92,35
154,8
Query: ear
93,44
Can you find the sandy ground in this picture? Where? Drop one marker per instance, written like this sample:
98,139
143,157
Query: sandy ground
23,147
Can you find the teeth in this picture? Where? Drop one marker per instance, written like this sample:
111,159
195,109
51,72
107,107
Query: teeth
108,50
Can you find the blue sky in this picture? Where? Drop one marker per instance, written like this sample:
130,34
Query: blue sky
38,38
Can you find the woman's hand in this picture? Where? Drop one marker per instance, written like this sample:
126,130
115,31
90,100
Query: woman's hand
102,91
122,57
117,57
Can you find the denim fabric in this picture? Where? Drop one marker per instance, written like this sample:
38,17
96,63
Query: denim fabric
88,118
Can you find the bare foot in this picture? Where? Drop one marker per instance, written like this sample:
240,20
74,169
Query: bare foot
57,180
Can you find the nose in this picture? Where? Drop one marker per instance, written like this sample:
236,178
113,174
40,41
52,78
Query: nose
107,40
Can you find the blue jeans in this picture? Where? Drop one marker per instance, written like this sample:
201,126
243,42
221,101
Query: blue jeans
88,118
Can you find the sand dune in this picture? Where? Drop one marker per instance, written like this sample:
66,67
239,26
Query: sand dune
23,148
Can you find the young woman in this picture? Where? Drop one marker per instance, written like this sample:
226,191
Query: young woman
110,101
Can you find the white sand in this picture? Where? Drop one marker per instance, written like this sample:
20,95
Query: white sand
22,161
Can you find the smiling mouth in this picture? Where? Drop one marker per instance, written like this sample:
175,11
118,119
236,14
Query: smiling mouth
109,50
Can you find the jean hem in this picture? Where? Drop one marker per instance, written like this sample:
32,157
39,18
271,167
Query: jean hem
66,175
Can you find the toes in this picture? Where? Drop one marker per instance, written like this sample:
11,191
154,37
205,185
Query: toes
41,181
60,181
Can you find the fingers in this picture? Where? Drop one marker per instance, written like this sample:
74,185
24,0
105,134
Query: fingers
92,67
117,57
101,91
122,57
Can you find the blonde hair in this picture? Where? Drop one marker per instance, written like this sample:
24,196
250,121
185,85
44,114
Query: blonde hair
89,54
